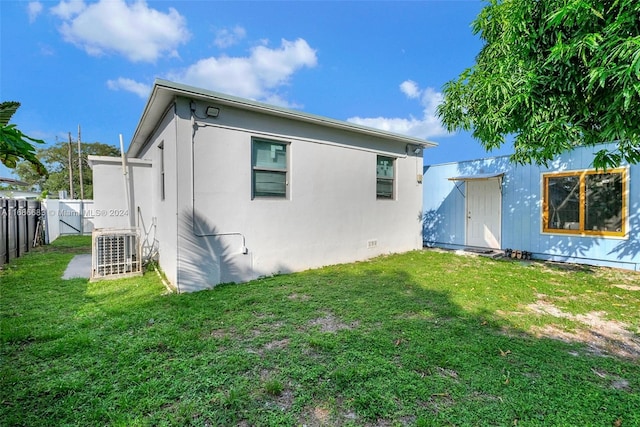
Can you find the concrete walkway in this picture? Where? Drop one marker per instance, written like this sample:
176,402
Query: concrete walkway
79,267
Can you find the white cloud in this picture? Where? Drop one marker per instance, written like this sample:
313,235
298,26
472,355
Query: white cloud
140,89
426,126
410,88
135,31
229,37
257,76
34,8
67,9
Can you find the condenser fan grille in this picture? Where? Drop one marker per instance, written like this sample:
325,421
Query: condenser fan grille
115,253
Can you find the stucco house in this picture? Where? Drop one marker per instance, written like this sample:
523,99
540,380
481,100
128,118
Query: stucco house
226,189
567,211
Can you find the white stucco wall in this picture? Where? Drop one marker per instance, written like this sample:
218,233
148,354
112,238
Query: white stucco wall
123,202
111,208
208,215
331,215
162,213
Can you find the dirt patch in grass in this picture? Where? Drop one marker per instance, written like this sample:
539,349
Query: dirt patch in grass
278,344
320,415
444,372
628,287
283,401
618,276
615,382
316,416
439,402
219,333
602,336
299,297
331,323
271,346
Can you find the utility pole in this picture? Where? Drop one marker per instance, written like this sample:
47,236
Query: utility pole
80,166
81,184
70,169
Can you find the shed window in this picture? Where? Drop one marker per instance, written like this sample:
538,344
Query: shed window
270,169
588,202
385,175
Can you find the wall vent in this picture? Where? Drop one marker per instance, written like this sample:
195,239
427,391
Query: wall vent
372,243
115,253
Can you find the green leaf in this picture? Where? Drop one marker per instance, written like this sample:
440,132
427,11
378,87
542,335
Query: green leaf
15,145
553,75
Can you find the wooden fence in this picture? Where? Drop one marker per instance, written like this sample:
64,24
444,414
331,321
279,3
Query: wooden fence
21,227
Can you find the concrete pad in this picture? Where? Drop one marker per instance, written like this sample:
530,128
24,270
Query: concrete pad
79,267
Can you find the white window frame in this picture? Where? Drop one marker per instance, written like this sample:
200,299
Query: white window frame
379,195
255,168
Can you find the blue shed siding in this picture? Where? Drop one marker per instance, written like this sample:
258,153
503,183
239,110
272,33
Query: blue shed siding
445,211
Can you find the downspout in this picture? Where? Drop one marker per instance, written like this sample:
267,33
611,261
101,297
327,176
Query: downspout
175,120
126,182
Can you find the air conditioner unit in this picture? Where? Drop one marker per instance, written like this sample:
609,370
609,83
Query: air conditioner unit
115,253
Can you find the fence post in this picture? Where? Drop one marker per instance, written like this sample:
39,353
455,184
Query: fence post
23,232
4,231
16,230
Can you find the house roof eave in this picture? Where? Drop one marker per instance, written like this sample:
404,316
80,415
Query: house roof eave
164,93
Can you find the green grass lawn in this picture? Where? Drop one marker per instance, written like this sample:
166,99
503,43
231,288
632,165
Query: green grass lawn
426,338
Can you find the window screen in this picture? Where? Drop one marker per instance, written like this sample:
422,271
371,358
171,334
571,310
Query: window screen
385,177
603,204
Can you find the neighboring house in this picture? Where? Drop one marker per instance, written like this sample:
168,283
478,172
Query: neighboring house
567,211
227,190
13,193
19,194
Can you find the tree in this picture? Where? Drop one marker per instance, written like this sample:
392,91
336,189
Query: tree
552,75
57,161
15,145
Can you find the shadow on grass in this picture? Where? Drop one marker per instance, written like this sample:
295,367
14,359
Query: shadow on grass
358,344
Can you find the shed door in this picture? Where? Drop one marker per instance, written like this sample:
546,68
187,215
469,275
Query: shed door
484,202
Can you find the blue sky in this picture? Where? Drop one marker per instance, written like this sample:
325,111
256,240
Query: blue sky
92,63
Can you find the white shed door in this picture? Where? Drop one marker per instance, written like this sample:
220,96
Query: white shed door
484,203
